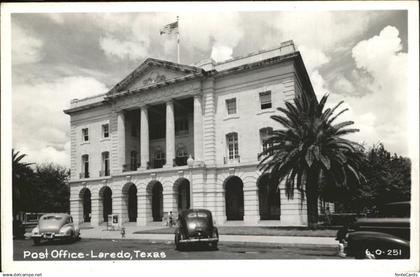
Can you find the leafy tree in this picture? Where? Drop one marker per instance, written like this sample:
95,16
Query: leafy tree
51,190
311,150
388,179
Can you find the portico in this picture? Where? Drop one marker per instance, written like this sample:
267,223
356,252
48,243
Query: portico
176,134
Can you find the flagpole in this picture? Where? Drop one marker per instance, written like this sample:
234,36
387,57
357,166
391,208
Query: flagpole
177,40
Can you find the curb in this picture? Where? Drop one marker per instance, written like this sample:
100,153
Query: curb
241,243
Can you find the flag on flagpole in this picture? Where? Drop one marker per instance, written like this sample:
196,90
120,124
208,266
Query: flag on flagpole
171,28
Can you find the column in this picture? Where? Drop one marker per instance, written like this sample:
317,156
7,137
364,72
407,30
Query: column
141,209
119,208
292,211
170,134
209,127
97,212
144,137
198,130
251,209
121,139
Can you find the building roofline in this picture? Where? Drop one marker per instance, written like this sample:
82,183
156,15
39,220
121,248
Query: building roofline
197,72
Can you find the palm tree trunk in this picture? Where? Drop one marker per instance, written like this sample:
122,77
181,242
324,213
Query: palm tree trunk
312,197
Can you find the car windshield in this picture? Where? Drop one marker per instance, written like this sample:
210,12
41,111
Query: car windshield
51,217
197,214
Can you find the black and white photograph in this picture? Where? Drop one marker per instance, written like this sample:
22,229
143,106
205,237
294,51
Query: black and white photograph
284,133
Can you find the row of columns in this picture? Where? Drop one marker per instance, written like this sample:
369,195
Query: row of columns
170,133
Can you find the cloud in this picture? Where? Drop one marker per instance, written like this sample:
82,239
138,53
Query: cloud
40,128
123,49
342,85
381,114
56,17
125,33
26,48
321,29
221,53
314,58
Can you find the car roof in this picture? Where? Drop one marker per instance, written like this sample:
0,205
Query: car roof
398,203
56,214
185,212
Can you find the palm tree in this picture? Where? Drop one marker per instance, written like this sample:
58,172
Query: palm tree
21,174
310,149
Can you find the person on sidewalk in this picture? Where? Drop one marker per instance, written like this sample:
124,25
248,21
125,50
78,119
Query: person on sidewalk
123,232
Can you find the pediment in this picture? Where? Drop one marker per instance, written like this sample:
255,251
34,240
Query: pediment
153,75
153,72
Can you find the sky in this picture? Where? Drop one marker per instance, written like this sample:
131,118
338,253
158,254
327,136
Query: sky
360,57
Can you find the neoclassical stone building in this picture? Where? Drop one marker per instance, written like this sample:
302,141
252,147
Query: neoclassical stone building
171,136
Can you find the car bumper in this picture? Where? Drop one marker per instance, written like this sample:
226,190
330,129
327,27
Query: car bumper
199,240
50,236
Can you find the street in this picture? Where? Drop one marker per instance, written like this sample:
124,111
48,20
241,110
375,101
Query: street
128,249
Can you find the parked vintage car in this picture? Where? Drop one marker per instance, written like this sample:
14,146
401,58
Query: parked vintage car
384,237
55,226
196,226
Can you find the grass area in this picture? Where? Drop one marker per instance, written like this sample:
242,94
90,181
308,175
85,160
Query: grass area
258,231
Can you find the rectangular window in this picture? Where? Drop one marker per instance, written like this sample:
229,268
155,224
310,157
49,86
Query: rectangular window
265,134
232,142
231,106
105,164
85,134
133,160
85,167
105,130
265,100
181,126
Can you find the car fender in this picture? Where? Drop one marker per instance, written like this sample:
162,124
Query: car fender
67,229
361,240
376,237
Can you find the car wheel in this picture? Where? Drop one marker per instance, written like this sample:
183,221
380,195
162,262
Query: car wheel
213,245
36,241
177,243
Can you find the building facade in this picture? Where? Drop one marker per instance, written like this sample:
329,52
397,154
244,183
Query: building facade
171,136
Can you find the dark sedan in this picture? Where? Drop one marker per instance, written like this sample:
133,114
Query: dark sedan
386,237
196,226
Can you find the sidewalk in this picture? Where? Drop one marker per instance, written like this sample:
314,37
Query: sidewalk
101,233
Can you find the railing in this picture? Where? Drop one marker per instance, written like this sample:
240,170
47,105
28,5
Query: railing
103,173
83,175
180,161
130,167
226,160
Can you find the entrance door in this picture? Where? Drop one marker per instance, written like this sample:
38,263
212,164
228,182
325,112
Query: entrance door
184,195
268,198
157,202
132,203
87,207
107,203
234,197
